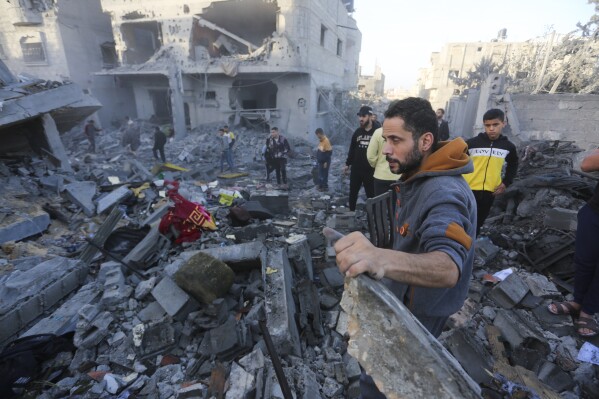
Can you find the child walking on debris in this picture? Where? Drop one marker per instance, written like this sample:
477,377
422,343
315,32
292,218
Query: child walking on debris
324,153
586,258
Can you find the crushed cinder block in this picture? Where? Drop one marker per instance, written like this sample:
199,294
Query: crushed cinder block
143,255
555,377
541,286
226,340
471,354
509,292
18,226
561,219
116,291
241,382
343,221
82,194
524,336
301,257
173,299
156,339
144,288
92,327
204,277
279,302
305,218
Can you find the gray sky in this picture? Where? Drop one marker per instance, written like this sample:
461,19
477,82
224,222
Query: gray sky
402,34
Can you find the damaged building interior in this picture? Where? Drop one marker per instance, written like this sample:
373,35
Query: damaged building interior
125,277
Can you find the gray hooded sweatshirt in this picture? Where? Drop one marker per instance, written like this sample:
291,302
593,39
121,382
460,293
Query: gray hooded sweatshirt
435,210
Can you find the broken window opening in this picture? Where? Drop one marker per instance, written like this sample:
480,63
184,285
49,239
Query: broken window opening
453,73
339,48
323,34
142,40
323,101
161,103
33,51
109,56
233,27
521,75
254,101
210,95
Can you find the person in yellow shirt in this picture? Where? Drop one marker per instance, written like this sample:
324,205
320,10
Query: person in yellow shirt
383,177
324,153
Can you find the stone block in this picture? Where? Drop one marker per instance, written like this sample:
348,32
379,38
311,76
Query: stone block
16,227
541,286
301,256
241,382
257,211
305,219
471,354
113,198
227,340
144,288
90,334
144,254
343,221
152,312
276,202
561,219
333,277
525,337
204,277
173,299
82,194
509,292
66,314
279,302
555,377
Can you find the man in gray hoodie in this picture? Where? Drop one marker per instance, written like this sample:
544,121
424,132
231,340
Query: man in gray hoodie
430,265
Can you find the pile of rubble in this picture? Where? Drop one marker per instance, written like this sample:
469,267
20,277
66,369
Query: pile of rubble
251,309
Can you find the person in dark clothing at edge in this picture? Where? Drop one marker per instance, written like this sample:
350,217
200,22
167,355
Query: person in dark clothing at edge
489,151
443,125
159,142
278,148
586,259
430,265
361,173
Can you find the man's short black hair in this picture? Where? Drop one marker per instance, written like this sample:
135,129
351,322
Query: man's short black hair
418,116
494,113
319,131
274,128
442,110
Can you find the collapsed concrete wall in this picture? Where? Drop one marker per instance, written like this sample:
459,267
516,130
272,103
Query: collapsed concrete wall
572,117
252,62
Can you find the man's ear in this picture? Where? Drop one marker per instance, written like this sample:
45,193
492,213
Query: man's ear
425,142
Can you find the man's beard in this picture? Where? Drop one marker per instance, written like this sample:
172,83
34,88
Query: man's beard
413,161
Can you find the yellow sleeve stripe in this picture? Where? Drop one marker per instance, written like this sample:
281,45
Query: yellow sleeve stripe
456,232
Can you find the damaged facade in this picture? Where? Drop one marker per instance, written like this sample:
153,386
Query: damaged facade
62,41
259,63
370,86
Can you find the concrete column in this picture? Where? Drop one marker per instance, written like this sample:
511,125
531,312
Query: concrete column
55,143
175,84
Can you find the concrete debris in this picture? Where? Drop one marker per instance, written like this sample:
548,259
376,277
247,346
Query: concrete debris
167,320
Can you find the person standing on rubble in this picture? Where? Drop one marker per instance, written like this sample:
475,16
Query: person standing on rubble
324,154
586,258
443,125
489,152
224,142
278,148
159,142
430,265
383,177
131,136
90,132
231,144
360,171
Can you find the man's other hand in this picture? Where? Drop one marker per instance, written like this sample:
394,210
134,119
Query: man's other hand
500,189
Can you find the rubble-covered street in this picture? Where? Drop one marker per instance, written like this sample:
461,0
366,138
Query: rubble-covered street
82,254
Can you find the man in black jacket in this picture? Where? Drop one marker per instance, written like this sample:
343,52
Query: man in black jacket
489,152
443,125
361,173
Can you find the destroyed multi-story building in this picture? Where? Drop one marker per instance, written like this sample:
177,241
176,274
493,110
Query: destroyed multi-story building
370,86
437,82
63,41
285,63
